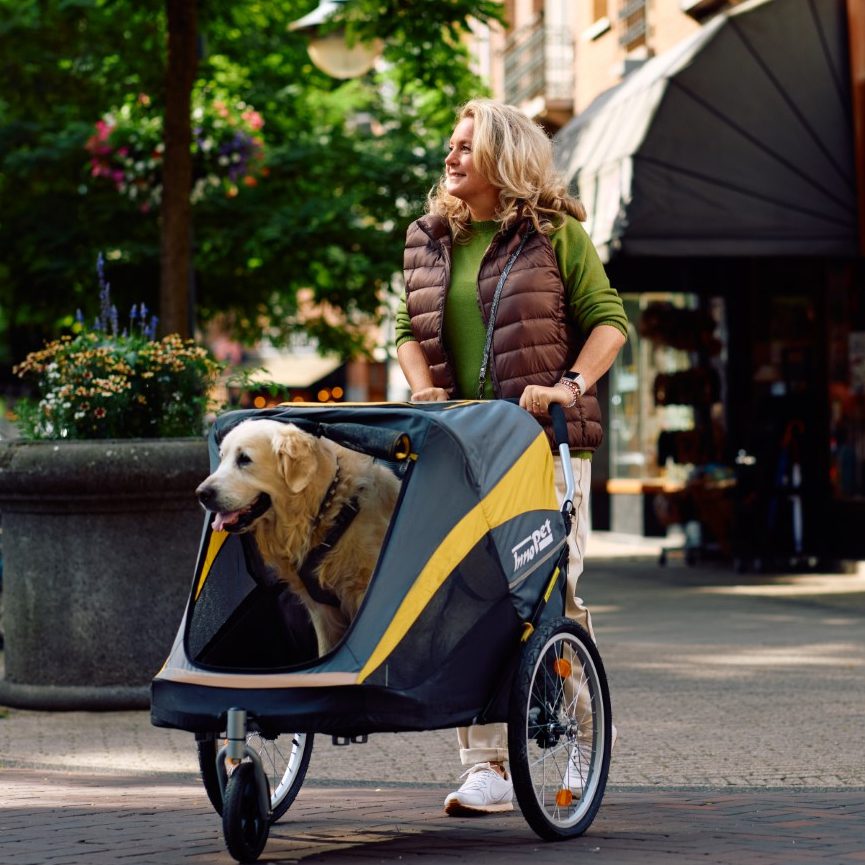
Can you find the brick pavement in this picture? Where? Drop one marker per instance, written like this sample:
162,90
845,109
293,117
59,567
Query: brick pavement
740,702
68,819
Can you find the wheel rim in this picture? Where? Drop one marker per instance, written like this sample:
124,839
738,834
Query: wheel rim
565,722
281,758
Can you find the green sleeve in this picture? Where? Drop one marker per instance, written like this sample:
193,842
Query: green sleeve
591,299
403,324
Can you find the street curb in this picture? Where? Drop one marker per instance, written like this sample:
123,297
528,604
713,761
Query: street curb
73,697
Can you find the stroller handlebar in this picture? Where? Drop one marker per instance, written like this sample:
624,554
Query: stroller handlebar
560,427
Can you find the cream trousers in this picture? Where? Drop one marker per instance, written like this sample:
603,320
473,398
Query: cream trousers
489,742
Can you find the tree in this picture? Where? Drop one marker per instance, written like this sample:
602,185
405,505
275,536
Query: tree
176,232
349,163
63,64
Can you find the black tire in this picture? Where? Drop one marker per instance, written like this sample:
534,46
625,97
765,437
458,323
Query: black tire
285,759
546,727
244,826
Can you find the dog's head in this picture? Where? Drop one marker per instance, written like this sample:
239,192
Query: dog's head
259,460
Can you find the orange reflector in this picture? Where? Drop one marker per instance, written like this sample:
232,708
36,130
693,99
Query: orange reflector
564,798
562,668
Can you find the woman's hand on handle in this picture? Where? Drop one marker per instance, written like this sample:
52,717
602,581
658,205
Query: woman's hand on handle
416,371
429,394
537,399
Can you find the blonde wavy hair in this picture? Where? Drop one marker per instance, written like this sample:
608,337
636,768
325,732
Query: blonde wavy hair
516,156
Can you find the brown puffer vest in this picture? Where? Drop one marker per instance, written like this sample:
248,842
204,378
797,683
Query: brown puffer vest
533,340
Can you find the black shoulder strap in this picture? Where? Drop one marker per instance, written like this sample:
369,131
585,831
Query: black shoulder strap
491,326
307,570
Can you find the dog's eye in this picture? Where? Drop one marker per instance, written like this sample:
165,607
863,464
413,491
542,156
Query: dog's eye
243,459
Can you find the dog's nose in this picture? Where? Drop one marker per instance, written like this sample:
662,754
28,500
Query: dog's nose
206,494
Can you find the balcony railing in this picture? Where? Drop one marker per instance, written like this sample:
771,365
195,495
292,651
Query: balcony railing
539,61
632,20
629,8
634,34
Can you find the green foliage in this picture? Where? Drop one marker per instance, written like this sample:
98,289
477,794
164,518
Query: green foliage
348,164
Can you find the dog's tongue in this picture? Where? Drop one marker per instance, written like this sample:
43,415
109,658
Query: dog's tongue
220,521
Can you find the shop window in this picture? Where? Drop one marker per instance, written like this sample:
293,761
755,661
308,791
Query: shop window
846,362
666,412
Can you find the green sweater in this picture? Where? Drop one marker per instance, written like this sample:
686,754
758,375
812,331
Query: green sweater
591,300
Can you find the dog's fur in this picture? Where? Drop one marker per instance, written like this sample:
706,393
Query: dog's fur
267,461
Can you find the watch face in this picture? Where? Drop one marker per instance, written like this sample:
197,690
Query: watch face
571,375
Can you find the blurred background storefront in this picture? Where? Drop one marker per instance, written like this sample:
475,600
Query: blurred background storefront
720,151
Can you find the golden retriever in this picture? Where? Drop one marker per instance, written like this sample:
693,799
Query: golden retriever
289,487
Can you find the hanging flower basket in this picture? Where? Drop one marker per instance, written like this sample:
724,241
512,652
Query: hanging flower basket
126,148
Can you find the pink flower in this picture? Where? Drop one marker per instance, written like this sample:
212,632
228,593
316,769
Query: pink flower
253,118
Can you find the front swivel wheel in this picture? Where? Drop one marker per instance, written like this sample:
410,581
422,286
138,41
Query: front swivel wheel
245,820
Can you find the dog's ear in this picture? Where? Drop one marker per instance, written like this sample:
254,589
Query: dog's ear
296,456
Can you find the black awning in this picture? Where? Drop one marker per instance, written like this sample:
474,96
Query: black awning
738,141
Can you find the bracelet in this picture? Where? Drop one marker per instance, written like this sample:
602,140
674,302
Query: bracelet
573,387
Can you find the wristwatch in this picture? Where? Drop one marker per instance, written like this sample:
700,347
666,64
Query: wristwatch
577,379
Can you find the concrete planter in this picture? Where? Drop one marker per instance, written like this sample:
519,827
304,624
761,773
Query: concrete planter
99,546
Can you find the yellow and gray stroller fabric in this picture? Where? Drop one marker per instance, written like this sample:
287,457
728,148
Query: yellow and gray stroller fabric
475,544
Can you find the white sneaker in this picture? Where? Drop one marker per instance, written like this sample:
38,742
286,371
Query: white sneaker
483,792
577,769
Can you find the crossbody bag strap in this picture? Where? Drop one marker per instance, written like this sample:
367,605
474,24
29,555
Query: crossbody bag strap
485,361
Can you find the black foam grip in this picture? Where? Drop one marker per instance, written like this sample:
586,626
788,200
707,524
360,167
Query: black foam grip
560,426
388,444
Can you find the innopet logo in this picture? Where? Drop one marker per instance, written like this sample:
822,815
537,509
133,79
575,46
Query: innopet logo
526,550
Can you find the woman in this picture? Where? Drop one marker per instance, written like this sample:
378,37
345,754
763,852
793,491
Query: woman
502,240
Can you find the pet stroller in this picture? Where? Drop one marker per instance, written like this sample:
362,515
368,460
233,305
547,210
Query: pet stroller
462,623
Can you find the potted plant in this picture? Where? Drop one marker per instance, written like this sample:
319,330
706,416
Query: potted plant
100,522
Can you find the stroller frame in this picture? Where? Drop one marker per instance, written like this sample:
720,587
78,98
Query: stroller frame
483,581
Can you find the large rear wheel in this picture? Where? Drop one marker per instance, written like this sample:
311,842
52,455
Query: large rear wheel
560,730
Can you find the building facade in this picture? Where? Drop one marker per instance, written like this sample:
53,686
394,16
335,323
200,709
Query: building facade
719,150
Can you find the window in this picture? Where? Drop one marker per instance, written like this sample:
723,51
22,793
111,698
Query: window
846,361
666,414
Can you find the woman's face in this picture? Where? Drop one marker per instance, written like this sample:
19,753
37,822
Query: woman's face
463,180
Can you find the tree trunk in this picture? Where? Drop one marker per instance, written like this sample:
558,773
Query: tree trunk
176,264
